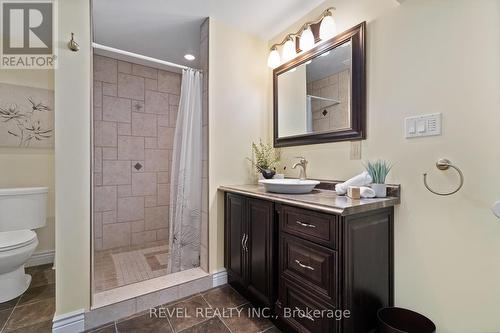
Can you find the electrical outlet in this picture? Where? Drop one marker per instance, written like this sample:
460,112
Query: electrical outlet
355,150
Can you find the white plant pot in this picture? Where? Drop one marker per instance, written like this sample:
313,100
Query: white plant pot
380,190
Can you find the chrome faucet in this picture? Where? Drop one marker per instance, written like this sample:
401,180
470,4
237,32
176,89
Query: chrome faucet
302,163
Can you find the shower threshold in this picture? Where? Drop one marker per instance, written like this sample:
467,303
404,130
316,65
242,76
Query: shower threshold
145,287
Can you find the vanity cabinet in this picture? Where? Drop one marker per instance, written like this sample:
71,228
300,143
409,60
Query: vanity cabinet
250,248
301,262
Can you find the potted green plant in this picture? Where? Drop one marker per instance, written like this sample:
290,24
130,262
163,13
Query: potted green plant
378,170
265,159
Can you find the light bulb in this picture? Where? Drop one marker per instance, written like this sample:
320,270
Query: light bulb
306,39
328,28
273,60
288,50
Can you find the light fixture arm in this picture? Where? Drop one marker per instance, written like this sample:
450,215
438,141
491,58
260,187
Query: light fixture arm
305,26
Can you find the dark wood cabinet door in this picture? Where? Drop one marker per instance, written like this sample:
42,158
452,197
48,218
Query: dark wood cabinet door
235,226
260,246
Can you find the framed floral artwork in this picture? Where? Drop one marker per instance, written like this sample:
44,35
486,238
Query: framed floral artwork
26,117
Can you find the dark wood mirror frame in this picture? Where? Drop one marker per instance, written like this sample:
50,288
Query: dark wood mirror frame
358,90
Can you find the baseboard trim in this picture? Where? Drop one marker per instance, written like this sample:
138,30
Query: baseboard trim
219,278
41,258
72,322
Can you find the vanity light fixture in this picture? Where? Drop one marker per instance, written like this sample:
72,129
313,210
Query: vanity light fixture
288,49
327,29
189,57
306,39
273,60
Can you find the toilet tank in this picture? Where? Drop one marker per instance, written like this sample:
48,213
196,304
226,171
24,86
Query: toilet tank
23,208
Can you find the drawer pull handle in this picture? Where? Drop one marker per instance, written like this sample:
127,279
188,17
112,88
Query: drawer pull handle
243,241
246,243
303,314
304,266
307,225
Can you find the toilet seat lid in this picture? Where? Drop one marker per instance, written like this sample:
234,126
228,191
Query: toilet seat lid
14,239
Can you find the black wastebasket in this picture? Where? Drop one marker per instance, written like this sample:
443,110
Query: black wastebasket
399,320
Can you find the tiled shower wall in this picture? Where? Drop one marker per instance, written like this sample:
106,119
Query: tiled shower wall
325,116
135,110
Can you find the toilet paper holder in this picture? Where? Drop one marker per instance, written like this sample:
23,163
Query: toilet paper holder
444,164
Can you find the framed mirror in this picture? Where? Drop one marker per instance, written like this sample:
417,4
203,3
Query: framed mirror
320,96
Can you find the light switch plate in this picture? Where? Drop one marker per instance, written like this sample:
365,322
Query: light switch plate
425,125
355,150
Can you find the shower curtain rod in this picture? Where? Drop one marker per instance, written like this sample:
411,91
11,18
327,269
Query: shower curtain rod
140,56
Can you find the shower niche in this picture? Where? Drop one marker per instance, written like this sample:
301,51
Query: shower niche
142,227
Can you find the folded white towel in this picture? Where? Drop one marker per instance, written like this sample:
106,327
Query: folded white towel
366,192
359,180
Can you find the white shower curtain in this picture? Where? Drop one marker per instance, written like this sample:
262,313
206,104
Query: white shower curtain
186,183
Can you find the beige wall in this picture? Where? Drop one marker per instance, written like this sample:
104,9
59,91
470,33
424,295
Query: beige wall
237,116
72,162
30,166
430,56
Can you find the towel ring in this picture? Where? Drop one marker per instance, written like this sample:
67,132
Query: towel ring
445,164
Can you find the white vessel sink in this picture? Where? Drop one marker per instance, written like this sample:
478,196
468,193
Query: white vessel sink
289,186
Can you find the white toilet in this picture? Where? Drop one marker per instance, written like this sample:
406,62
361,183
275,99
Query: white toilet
21,209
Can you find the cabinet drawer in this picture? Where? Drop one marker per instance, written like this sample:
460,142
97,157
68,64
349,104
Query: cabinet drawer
303,312
317,227
312,266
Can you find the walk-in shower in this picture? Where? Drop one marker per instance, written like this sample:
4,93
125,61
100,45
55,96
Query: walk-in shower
150,166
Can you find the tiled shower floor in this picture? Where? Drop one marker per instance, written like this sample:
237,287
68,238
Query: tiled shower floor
122,266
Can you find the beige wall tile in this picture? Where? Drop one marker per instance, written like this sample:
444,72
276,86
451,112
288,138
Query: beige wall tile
97,113
173,100
130,148
157,102
124,67
148,72
151,84
138,106
130,86
173,111
156,218
104,198
105,134
105,69
130,209
124,129
163,194
98,159
163,121
169,82
162,234
109,217
150,201
150,143
109,153
116,172
97,93
109,89
98,225
137,226
166,137
144,183
116,109
155,160
124,191
144,124
115,235
98,179
163,177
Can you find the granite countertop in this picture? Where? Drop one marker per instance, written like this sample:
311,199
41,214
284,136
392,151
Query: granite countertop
322,200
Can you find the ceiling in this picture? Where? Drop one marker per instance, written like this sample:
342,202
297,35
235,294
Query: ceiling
168,29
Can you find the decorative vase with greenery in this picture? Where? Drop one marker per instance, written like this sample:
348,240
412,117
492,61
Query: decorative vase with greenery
265,159
379,170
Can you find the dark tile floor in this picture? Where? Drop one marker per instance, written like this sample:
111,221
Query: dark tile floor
219,310
32,311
